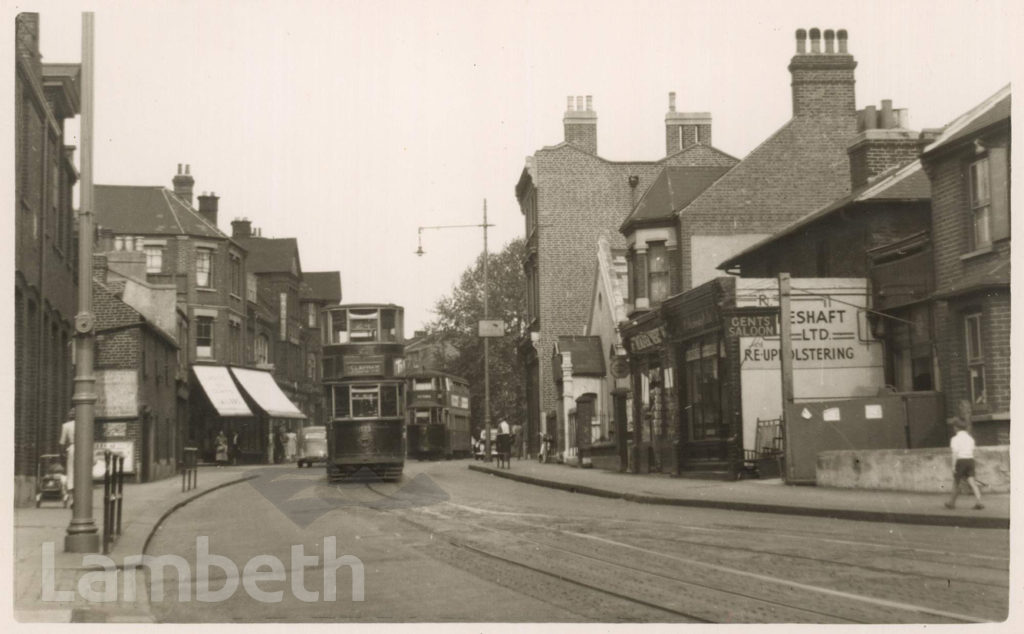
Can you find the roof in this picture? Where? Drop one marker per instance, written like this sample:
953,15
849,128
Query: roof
149,210
415,374
991,111
672,189
322,286
994,277
801,167
587,354
907,183
271,255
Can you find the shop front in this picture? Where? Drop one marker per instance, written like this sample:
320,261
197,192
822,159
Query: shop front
654,432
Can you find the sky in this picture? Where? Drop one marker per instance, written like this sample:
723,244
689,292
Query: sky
349,124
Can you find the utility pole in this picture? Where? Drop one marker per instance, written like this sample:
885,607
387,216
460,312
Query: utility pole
786,359
82,535
487,359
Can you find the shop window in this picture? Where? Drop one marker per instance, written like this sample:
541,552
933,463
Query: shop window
703,389
975,359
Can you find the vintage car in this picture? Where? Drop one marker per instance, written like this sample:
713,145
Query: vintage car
312,445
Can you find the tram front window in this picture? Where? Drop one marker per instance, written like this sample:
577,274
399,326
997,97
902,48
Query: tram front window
389,400
365,402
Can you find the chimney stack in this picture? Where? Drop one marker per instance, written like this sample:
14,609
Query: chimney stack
581,124
683,129
183,183
208,207
882,142
823,82
241,228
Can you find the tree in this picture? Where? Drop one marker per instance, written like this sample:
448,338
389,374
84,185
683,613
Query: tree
457,317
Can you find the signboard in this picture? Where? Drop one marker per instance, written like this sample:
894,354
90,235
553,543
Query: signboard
363,368
117,393
649,339
620,367
125,448
492,328
759,324
115,430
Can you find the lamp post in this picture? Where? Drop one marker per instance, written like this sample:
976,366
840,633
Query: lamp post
487,361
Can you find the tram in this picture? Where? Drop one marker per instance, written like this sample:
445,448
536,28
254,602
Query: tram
363,346
437,411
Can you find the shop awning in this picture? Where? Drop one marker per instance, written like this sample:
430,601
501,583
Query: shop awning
221,390
261,387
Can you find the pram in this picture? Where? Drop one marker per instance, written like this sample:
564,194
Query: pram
51,482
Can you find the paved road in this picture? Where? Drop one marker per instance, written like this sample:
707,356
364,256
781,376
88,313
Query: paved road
449,544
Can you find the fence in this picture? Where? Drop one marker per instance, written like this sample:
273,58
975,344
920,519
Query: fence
113,493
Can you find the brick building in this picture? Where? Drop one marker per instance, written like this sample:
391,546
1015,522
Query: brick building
570,197
45,267
319,290
142,409
802,167
969,167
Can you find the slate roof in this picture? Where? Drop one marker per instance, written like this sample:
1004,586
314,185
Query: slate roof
321,286
673,188
271,255
149,210
907,183
801,167
587,354
993,110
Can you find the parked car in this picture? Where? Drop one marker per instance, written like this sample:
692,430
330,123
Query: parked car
312,446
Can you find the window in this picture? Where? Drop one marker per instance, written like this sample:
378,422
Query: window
204,336
250,287
339,326
261,350
979,183
975,359
236,275
702,388
204,268
341,401
365,401
659,286
154,259
236,342
283,316
363,326
310,365
311,315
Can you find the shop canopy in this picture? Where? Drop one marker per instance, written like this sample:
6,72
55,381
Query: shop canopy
221,390
261,387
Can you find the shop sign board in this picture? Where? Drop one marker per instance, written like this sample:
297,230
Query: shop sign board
647,339
125,448
753,324
117,393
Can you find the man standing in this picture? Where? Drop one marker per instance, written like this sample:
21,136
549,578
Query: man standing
517,440
962,446
67,443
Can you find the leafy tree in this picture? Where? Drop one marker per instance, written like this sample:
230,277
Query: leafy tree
457,317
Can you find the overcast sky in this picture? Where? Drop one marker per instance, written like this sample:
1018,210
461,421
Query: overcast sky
349,124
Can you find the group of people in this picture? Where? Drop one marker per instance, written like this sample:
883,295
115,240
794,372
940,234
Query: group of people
226,449
508,442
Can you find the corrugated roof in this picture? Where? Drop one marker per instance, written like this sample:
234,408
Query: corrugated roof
672,189
271,255
900,183
321,286
587,355
149,210
992,110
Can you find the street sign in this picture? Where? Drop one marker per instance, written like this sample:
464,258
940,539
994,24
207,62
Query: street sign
492,328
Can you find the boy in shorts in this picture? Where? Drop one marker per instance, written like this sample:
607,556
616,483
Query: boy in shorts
962,446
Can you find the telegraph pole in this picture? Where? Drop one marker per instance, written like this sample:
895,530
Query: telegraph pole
786,359
487,356
82,535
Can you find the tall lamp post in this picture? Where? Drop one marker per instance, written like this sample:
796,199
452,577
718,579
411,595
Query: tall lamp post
486,336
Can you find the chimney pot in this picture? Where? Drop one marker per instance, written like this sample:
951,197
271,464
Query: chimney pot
903,118
841,36
671,102
579,103
815,40
179,168
187,168
590,103
568,103
830,41
886,120
801,41
870,118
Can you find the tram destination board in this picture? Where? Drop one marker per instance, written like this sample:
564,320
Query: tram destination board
762,323
355,366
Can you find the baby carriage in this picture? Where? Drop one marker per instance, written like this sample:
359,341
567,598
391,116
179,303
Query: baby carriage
51,482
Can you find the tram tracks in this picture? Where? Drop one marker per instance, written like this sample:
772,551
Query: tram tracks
710,592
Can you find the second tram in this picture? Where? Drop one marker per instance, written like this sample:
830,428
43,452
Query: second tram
438,415
364,390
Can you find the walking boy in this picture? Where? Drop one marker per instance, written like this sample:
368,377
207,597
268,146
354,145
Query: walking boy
962,446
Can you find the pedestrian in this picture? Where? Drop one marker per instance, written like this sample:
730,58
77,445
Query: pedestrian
962,447
67,443
221,449
517,441
233,448
504,443
279,440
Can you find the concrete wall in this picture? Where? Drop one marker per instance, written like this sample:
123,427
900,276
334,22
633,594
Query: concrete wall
910,469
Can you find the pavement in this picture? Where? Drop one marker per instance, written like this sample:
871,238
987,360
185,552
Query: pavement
763,496
39,534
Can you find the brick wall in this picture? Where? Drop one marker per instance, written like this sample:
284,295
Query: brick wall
873,156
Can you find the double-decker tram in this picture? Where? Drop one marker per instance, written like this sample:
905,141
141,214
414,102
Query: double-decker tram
364,390
438,414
